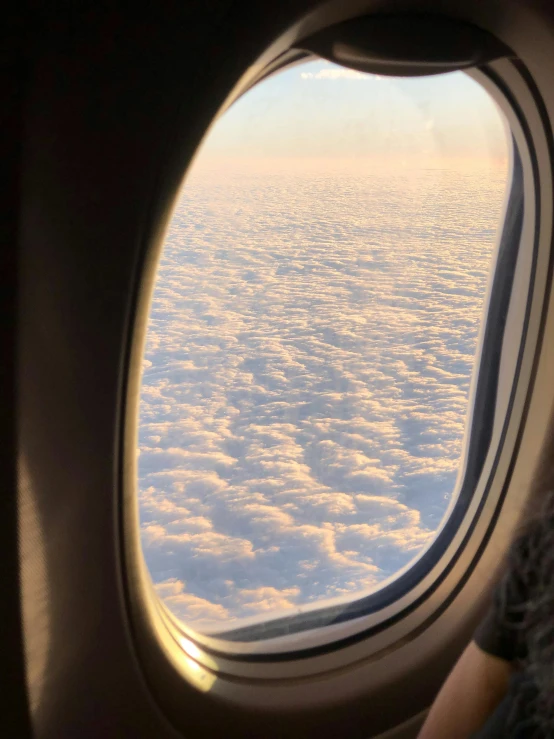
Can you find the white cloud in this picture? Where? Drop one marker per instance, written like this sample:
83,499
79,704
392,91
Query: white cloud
305,383
191,607
337,73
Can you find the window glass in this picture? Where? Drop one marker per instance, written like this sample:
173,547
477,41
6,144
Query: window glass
312,338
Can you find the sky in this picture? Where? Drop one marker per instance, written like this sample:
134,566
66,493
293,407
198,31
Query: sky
319,110
312,339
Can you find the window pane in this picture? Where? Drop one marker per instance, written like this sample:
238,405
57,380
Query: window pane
312,338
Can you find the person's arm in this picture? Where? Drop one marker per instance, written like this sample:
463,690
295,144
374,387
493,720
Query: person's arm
470,694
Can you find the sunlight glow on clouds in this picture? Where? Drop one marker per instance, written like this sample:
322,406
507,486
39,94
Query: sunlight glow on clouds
305,383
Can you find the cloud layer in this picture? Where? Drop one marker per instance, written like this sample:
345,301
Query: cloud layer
306,378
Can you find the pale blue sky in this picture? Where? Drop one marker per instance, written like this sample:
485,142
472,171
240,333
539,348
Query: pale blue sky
319,110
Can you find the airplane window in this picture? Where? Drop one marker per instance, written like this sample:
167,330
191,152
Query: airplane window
313,335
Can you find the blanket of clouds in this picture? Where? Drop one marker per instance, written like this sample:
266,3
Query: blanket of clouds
309,356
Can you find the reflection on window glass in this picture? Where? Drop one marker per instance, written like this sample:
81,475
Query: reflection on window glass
312,338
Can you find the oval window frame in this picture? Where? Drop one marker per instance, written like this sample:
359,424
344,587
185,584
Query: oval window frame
305,654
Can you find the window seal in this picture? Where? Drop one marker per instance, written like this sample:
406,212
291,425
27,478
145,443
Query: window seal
484,404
